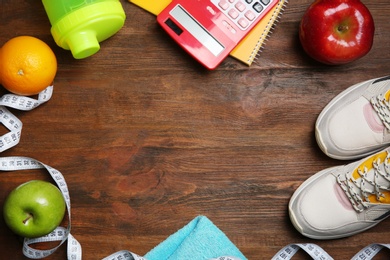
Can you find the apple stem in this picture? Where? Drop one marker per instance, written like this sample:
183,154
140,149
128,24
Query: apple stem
342,28
28,217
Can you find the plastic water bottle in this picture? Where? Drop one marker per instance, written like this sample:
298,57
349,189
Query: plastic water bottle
80,25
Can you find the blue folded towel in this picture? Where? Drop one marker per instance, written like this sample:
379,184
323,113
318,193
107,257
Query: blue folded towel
198,240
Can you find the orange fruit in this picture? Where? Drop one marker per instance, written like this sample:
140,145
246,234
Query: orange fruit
27,65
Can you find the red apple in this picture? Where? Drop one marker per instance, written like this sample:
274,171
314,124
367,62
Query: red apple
337,31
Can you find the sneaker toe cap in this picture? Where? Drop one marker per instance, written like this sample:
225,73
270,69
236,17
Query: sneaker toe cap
322,210
350,132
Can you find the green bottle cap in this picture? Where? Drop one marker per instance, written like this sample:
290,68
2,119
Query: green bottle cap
82,30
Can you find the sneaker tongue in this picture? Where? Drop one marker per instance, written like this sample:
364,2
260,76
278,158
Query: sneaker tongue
372,178
372,118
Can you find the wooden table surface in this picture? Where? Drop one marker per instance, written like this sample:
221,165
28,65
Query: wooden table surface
147,139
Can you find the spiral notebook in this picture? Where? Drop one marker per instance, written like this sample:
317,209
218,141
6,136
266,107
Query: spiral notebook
249,49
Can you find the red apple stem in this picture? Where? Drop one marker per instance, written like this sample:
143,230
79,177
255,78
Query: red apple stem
342,28
28,217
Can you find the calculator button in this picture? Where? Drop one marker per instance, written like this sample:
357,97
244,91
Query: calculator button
243,22
233,13
241,13
258,7
250,15
240,6
223,4
229,27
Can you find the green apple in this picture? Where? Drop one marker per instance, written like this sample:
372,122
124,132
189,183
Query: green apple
34,209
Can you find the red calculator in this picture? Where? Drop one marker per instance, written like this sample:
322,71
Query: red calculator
210,29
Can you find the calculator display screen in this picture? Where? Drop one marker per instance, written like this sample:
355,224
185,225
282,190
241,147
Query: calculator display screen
196,30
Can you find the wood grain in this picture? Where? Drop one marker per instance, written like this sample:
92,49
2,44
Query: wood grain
147,139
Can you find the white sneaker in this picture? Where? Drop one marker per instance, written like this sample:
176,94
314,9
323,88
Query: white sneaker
356,122
344,200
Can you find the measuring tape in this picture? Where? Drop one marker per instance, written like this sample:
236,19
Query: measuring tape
313,250
317,253
11,122
370,251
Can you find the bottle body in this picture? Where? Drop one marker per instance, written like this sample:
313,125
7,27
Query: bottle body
80,25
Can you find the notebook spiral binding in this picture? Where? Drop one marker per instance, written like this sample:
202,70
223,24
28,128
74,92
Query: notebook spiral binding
281,6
